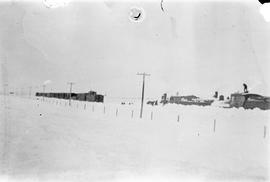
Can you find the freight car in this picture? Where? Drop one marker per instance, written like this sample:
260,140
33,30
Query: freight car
89,96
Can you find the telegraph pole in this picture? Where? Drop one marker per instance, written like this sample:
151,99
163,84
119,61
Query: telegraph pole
70,90
142,74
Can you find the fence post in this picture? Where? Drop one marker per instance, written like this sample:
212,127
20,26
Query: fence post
116,112
178,118
84,106
214,125
132,114
151,115
104,110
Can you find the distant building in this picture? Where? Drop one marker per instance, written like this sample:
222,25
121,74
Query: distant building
164,99
179,99
249,101
216,94
99,98
221,97
190,100
153,102
89,96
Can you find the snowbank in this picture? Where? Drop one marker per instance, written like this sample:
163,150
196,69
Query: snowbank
50,141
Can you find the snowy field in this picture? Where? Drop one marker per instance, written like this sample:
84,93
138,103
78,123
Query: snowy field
50,141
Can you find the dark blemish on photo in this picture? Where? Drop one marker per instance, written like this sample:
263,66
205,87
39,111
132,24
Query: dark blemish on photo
136,14
161,5
264,1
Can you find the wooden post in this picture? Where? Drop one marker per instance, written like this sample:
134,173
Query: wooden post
151,115
132,114
214,126
84,106
178,118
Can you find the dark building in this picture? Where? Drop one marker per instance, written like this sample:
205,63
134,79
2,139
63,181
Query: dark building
249,101
190,100
216,95
99,98
179,99
221,97
81,96
91,96
164,99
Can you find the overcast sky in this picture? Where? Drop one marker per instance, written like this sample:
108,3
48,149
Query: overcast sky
191,47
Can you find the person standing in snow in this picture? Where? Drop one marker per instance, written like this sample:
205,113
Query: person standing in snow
245,88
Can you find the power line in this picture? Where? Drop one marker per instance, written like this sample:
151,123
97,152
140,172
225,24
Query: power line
142,74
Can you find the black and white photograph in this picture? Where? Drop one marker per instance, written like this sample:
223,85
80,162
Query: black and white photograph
134,91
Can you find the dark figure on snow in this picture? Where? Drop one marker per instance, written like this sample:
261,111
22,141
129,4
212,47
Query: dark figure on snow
245,88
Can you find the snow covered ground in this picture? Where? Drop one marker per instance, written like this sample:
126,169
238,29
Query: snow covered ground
50,141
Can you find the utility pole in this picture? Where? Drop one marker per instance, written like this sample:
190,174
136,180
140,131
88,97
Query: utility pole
70,90
142,74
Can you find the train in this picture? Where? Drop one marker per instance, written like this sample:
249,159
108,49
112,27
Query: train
90,96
